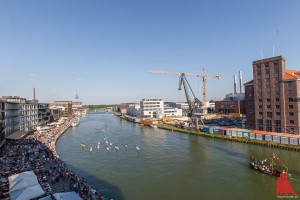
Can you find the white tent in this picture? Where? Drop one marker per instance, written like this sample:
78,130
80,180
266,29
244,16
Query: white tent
67,196
21,180
27,193
24,186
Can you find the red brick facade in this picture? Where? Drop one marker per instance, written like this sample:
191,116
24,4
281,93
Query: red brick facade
275,97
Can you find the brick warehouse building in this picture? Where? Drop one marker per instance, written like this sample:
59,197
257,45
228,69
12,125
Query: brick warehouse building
273,97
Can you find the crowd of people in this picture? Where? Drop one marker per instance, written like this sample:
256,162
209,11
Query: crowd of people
36,151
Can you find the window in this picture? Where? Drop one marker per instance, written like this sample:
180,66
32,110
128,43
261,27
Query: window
268,100
277,92
269,122
291,113
268,93
277,99
277,106
258,72
276,79
291,99
267,79
268,106
277,122
278,130
267,71
260,113
260,128
259,121
269,114
276,70
267,65
291,106
269,129
258,66
259,80
259,86
290,91
276,85
259,93
289,84
268,86
275,64
259,100
260,106
292,122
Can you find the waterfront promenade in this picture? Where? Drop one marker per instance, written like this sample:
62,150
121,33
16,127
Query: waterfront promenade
36,151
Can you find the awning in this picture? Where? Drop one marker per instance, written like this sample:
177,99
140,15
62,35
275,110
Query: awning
24,186
17,135
67,196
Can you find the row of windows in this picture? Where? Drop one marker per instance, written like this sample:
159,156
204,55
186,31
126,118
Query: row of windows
277,106
290,92
277,100
268,79
269,122
267,71
268,128
270,114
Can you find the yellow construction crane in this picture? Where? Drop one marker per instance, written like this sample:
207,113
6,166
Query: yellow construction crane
203,75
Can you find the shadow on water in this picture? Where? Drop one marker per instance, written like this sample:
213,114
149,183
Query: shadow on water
103,187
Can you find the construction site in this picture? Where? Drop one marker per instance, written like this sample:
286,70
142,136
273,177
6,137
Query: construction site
229,112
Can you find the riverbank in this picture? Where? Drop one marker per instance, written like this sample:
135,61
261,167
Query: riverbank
234,139
225,137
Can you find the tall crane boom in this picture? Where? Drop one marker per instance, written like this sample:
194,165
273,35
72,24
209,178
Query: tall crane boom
203,75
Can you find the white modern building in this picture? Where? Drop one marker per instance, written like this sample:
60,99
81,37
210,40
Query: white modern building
170,111
156,108
152,108
9,119
28,112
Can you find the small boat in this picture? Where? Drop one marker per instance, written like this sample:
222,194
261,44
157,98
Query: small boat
116,147
126,146
75,121
102,130
91,148
153,126
137,148
107,148
267,167
98,146
82,145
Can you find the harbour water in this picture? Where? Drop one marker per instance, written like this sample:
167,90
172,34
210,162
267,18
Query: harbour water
170,165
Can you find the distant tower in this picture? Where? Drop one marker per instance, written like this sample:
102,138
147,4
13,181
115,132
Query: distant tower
234,85
240,80
33,93
76,97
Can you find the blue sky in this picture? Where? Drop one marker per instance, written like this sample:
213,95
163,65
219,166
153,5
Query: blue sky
103,49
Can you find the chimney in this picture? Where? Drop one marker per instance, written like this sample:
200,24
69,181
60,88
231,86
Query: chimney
33,93
234,84
241,88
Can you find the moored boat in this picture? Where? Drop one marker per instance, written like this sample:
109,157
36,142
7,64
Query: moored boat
75,121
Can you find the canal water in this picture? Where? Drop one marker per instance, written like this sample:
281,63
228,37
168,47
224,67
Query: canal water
169,165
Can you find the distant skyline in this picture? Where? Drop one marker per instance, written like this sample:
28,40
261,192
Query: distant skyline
103,49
